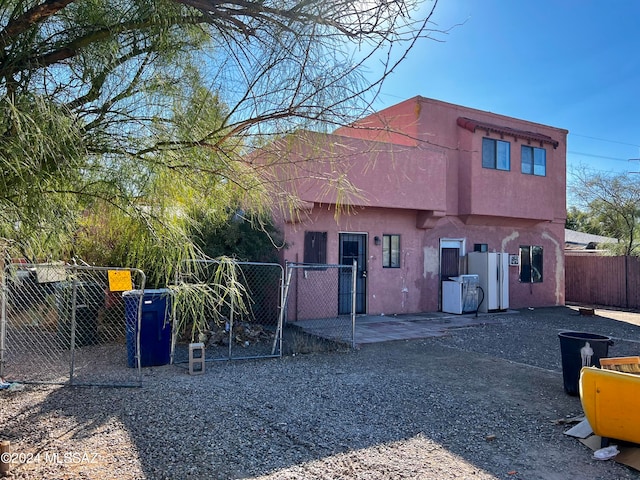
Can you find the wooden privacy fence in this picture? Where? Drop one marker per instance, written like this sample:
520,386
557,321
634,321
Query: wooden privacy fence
603,280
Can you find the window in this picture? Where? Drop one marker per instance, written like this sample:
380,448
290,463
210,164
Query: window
496,154
480,247
315,247
534,161
530,264
391,251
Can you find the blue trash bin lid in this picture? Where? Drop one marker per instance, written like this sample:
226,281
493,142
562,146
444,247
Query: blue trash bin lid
147,291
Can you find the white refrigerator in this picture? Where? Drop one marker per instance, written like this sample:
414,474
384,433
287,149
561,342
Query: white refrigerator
492,269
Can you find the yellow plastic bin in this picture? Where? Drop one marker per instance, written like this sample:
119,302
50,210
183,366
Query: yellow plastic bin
610,403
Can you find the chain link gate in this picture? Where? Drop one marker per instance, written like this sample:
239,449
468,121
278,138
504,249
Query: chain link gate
321,300
67,324
232,334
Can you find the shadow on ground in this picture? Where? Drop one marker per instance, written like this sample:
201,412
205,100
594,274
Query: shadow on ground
481,401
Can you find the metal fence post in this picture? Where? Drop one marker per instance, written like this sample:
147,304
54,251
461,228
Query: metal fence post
74,298
231,329
138,323
284,294
354,272
3,319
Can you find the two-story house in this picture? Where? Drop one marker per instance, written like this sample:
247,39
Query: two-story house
411,190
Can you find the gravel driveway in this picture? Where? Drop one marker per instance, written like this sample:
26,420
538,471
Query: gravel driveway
479,403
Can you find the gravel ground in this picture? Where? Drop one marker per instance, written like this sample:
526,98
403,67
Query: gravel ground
479,403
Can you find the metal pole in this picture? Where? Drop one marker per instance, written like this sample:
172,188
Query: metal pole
74,293
283,306
282,310
231,328
138,357
3,318
174,319
354,272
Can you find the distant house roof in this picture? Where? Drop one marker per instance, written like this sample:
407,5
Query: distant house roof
473,125
581,240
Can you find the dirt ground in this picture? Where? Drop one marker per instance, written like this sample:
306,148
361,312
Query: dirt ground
484,402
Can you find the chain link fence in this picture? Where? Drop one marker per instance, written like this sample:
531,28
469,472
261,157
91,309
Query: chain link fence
231,331
85,325
320,306
67,324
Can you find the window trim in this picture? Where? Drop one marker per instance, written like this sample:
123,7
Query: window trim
388,257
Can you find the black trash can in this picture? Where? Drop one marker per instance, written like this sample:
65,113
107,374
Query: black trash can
580,349
155,326
89,300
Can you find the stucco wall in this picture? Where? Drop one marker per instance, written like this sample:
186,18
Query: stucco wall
423,179
389,290
415,286
472,189
333,169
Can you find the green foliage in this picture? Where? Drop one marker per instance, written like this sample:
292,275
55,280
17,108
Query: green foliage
582,221
612,204
40,176
242,238
120,119
152,241
201,296
78,93
126,127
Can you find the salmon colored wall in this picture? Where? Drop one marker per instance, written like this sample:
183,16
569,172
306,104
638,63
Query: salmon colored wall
414,287
430,185
472,189
390,290
380,174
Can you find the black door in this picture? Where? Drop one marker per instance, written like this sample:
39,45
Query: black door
449,263
353,246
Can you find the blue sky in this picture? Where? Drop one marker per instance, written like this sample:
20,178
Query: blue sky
566,63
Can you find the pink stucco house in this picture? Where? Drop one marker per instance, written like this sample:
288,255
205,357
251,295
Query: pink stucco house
411,190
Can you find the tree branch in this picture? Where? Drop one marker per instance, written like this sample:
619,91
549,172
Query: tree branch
31,17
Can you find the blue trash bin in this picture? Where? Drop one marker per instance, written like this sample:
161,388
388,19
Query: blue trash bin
155,326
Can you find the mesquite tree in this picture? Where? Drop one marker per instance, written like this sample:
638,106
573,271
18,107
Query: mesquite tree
146,110
612,203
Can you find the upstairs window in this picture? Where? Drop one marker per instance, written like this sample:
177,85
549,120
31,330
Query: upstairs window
530,264
534,161
391,251
496,154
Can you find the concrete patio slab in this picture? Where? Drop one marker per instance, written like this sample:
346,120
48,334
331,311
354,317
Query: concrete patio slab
382,328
